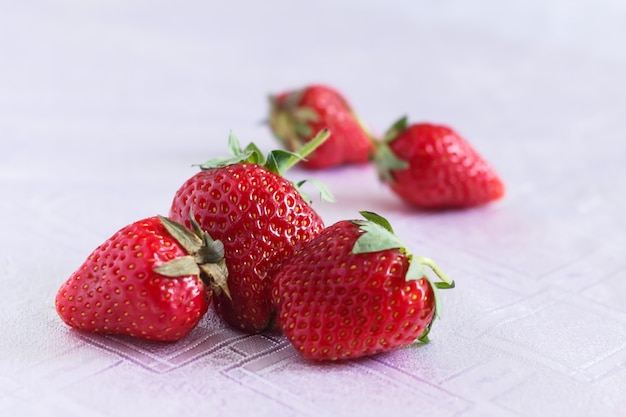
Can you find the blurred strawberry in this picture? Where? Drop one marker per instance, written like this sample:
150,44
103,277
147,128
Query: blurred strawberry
432,167
296,116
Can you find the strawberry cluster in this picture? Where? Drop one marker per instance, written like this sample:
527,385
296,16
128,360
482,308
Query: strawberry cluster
241,237
427,165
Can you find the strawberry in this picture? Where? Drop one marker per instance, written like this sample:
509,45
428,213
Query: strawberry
432,167
295,117
261,218
355,290
151,280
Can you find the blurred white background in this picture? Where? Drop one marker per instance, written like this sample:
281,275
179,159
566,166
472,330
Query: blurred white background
105,106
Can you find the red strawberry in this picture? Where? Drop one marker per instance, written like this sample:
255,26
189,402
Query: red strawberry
261,218
354,291
152,280
296,116
432,167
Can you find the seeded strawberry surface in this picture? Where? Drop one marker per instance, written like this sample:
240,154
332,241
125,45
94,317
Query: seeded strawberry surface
117,291
335,304
261,220
432,167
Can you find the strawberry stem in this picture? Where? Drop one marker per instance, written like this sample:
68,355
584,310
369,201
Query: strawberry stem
373,139
396,128
447,282
384,158
205,256
307,149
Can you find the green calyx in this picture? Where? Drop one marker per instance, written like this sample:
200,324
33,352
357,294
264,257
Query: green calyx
378,235
277,161
396,129
290,122
205,256
386,161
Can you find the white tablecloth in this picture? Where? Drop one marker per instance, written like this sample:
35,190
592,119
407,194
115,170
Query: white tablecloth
105,105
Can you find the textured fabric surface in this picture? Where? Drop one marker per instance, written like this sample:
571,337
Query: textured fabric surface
105,106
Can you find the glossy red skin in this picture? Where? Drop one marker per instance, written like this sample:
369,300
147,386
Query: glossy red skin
333,304
349,143
261,220
116,291
444,171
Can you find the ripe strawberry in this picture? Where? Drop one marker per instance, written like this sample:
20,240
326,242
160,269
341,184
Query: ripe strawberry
354,291
261,218
432,167
152,280
295,117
